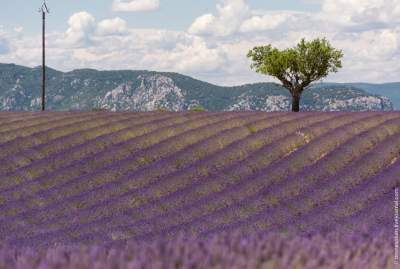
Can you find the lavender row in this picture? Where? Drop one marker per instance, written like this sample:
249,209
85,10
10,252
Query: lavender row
77,136
315,120
242,174
30,121
128,163
193,213
15,119
207,129
83,153
308,181
376,217
35,172
28,136
364,181
355,205
291,211
110,149
114,230
211,177
7,121
178,181
21,152
200,152
29,126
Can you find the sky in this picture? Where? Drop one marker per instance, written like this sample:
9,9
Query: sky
206,39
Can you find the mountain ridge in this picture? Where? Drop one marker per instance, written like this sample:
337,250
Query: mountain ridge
144,90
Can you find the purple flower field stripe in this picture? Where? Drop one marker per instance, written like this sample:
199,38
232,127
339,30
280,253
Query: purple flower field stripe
294,185
348,198
354,200
22,150
135,192
71,156
376,216
187,190
12,121
285,184
32,126
35,135
150,168
197,208
284,200
80,152
134,130
322,219
197,123
77,137
16,118
291,205
217,180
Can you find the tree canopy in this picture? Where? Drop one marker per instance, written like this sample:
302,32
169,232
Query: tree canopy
297,67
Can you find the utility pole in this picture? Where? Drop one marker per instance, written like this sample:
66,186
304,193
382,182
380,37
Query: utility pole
43,9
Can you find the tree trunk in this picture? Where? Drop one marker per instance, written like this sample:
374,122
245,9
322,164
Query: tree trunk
295,102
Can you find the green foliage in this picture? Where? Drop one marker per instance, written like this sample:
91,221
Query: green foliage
98,109
162,109
252,129
197,108
297,67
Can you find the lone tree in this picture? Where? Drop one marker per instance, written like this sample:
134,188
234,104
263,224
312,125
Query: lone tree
297,67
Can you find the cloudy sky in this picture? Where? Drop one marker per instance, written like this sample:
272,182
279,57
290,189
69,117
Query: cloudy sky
206,39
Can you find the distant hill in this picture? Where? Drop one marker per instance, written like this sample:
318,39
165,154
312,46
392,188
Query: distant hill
86,89
390,90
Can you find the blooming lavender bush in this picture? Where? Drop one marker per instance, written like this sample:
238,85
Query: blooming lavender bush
232,250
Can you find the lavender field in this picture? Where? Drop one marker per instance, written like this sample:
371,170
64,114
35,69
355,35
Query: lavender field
198,189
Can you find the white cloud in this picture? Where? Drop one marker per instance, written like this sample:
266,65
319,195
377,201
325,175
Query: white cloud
83,30
214,48
203,25
135,5
196,57
230,15
265,22
81,26
355,12
19,29
366,30
87,55
116,26
376,45
235,16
